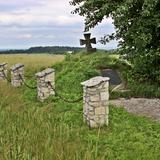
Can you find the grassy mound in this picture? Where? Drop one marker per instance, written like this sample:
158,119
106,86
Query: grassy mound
55,129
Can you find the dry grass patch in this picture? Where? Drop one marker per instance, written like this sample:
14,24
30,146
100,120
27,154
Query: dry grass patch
34,61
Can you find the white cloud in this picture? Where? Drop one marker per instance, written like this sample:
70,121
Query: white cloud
43,22
57,12
25,36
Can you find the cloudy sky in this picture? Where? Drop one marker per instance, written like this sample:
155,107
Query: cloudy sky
26,23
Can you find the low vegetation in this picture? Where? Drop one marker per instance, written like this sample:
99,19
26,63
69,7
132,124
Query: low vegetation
32,62
31,130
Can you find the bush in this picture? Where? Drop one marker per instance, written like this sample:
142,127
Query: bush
146,67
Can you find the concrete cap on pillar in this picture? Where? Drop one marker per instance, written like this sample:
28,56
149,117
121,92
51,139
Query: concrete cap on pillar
3,64
45,72
95,81
17,66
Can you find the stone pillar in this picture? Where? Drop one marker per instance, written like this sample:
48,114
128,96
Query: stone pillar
16,71
45,83
3,71
96,101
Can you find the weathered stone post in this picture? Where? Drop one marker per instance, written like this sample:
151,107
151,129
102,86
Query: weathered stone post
3,71
45,83
96,101
17,75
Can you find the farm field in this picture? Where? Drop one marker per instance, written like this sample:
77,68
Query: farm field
54,130
34,61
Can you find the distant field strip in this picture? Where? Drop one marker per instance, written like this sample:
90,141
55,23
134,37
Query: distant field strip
34,61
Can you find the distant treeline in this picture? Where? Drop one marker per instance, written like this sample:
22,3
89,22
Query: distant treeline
48,49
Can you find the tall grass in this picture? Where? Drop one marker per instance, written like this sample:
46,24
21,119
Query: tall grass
34,61
54,130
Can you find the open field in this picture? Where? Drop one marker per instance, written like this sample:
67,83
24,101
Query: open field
34,61
54,130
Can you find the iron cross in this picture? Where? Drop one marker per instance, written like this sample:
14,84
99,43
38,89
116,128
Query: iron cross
88,42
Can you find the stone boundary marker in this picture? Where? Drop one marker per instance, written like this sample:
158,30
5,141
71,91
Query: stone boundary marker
45,83
17,75
95,92
3,71
96,101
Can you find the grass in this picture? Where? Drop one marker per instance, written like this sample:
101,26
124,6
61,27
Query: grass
54,130
34,61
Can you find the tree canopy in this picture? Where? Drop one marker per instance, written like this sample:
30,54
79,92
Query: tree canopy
137,24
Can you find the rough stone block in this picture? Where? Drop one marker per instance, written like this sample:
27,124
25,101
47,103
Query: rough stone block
104,96
100,111
3,71
45,83
94,98
95,101
17,75
92,124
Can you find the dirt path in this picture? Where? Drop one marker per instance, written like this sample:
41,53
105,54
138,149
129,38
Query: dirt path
140,106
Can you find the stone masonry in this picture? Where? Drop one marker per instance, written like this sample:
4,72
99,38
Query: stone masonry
3,71
45,83
17,74
96,101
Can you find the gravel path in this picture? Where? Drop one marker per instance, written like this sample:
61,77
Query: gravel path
140,106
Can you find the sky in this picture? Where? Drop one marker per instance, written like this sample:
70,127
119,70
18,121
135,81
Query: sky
28,23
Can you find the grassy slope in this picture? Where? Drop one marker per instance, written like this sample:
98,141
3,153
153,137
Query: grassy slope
55,129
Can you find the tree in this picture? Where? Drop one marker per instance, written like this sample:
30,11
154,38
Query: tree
137,24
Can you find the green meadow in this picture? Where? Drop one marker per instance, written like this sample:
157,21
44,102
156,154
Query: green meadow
54,130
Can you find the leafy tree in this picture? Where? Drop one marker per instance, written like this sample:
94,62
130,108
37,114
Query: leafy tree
137,24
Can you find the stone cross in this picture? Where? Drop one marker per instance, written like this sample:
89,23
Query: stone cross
17,75
3,71
45,83
88,42
96,101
